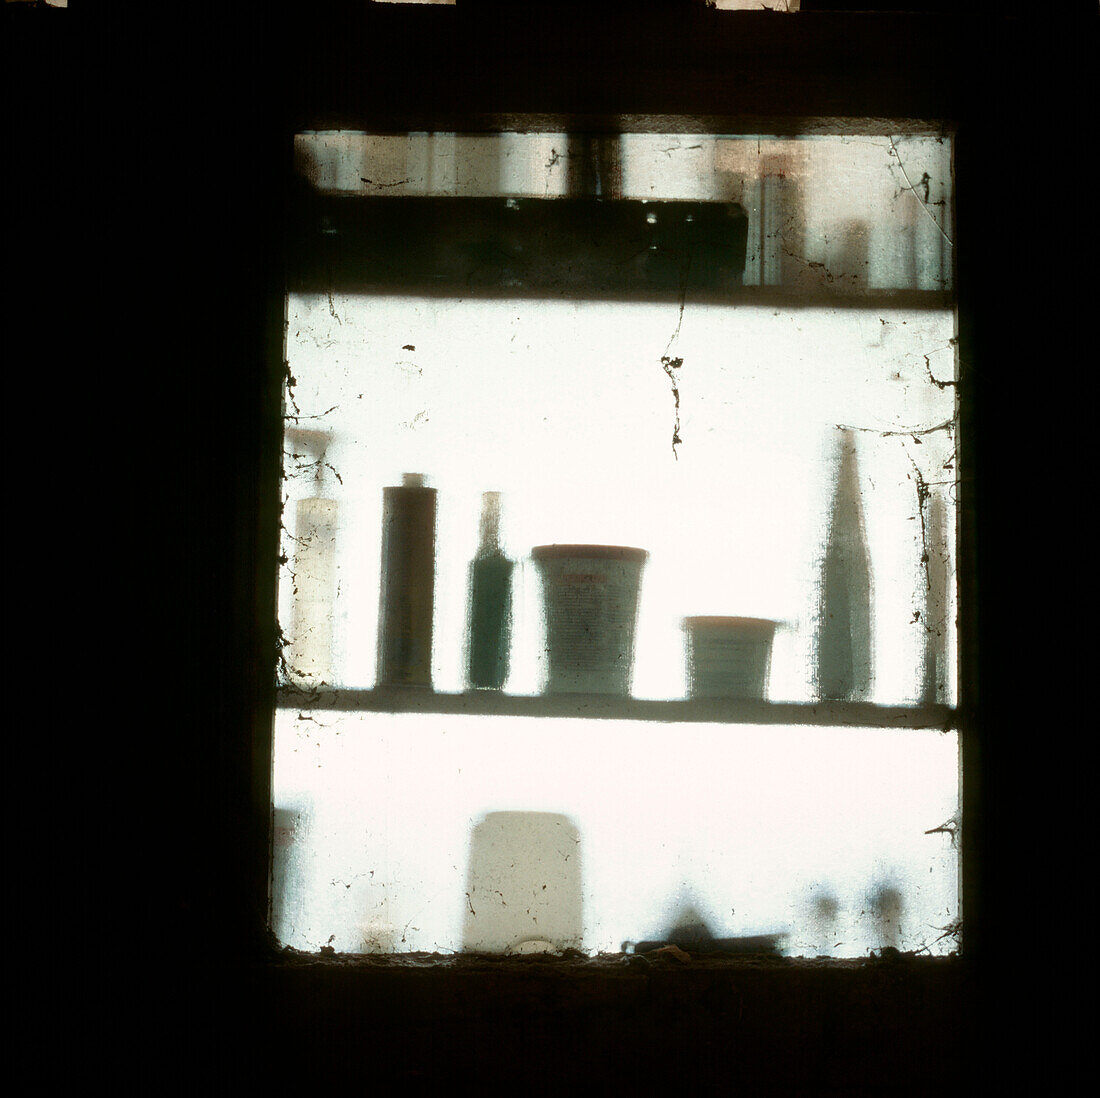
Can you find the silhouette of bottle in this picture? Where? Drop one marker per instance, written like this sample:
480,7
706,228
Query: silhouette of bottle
490,602
309,655
406,599
843,648
934,669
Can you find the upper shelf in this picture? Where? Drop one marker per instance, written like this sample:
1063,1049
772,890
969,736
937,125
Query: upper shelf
603,707
591,249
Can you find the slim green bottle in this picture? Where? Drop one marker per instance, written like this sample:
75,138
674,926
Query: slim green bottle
490,603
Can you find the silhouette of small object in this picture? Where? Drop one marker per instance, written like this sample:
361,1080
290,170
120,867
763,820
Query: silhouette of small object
752,943
690,933
890,954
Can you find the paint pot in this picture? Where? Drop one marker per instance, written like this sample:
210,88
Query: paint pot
590,597
728,657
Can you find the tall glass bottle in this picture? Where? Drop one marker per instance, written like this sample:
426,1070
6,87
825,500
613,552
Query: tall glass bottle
843,644
490,603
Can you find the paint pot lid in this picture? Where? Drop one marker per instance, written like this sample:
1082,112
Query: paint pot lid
589,552
763,626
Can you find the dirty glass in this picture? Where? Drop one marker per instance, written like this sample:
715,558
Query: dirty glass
733,353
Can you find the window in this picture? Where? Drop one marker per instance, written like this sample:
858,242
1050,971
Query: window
538,314
738,1023
763,68
201,901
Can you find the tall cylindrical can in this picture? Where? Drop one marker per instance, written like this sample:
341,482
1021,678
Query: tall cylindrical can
407,594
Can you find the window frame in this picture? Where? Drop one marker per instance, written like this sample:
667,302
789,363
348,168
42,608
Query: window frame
783,72
338,105
169,150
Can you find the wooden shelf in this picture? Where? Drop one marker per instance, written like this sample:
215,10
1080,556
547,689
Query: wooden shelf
602,707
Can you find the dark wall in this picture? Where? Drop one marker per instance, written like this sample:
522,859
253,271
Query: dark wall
149,175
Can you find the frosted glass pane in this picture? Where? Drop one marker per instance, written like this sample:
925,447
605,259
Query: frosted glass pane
565,408
730,433
846,215
815,835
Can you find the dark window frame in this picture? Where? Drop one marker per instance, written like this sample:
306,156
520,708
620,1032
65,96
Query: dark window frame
235,87
784,74
730,43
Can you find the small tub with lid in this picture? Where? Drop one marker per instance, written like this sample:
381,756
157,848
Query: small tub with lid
728,657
